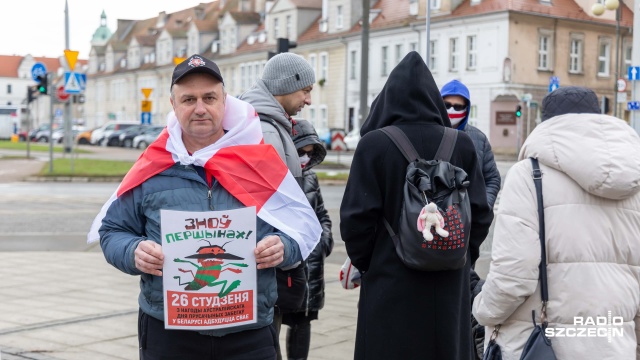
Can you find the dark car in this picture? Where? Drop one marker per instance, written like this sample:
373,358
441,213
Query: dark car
126,138
113,139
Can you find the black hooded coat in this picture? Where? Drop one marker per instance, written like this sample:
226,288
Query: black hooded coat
404,313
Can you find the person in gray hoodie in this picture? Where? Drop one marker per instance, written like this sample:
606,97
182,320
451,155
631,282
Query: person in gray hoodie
282,91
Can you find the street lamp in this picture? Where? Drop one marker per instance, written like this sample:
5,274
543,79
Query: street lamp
597,10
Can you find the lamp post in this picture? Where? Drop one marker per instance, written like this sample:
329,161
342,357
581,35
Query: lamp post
597,10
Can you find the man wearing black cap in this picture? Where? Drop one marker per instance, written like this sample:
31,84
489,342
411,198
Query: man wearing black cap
183,170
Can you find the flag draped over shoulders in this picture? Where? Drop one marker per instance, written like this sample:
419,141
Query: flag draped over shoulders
246,167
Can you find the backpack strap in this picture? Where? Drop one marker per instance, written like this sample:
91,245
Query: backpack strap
448,142
402,142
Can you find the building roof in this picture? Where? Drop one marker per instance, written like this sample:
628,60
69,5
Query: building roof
567,9
307,4
244,18
9,65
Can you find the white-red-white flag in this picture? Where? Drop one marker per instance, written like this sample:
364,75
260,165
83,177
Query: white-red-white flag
250,170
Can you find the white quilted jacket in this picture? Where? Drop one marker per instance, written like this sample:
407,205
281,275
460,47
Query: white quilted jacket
591,183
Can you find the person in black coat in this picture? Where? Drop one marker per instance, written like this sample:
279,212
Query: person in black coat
311,153
405,313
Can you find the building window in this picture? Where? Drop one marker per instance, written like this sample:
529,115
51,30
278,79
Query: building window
8,88
435,4
243,75
399,53
353,64
312,116
453,54
575,54
433,55
232,83
323,117
545,50
384,64
324,66
604,56
314,63
339,17
288,26
472,55
413,7
276,33
628,50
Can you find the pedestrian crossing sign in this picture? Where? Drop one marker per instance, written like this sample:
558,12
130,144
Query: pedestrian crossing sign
72,83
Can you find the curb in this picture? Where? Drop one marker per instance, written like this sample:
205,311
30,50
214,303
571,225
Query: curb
87,179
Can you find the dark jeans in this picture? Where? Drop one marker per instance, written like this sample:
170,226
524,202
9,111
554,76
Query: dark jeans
298,340
157,343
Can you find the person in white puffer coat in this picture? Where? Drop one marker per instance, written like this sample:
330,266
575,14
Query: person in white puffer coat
591,188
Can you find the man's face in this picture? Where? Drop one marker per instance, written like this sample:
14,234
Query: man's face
455,101
294,102
199,102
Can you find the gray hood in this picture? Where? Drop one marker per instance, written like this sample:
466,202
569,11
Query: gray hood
599,152
264,103
304,134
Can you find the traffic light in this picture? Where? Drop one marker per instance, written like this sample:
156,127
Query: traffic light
518,111
31,94
283,46
43,85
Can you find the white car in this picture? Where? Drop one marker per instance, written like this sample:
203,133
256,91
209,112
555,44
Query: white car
352,138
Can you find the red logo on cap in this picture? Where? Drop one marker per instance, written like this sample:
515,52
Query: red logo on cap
196,61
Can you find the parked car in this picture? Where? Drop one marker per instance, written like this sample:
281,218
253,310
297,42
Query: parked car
126,138
352,138
99,135
84,138
42,133
113,139
58,135
142,141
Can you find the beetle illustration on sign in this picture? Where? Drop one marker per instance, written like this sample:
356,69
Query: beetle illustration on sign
211,265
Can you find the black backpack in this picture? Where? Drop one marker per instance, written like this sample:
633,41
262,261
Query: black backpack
442,183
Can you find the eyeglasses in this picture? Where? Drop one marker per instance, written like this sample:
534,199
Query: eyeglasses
456,107
302,152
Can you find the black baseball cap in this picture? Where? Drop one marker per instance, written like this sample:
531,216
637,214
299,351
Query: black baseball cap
195,64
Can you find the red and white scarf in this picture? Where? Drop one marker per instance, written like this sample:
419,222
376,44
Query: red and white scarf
250,170
456,117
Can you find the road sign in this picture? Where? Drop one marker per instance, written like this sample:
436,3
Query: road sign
145,106
621,84
621,97
145,118
72,58
633,73
554,83
61,95
633,105
72,83
337,140
38,69
83,81
146,92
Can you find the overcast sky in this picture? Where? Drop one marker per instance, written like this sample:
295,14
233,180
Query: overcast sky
37,27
